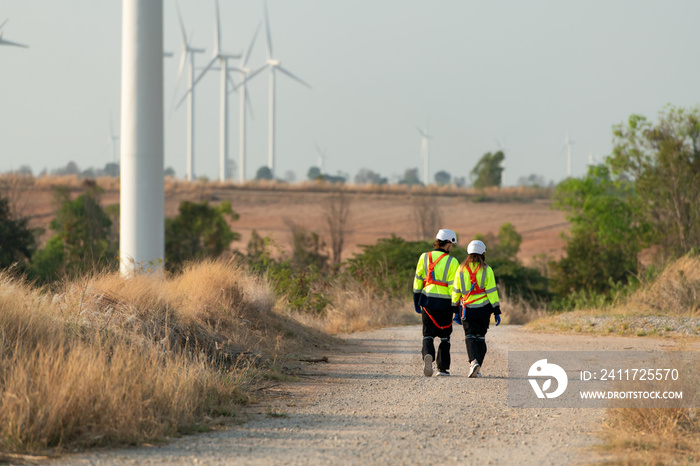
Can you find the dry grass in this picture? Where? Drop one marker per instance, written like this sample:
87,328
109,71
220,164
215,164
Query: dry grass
653,435
356,309
517,311
675,292
110,361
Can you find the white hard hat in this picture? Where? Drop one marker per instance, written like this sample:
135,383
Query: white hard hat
476,247
447,235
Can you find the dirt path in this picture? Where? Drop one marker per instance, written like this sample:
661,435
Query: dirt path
371,405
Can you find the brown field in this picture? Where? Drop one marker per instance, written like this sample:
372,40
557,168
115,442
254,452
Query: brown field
379,213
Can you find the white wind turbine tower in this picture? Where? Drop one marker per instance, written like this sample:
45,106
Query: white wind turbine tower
247,74
322,156
7,42
567,146
188,50
142,193
274,66
113,141
222,58
425,153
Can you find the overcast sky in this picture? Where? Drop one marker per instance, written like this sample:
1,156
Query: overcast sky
521,72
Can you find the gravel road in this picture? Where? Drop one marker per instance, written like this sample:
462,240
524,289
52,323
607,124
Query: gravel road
371,404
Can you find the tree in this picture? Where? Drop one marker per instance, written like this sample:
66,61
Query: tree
487,171
606,235
367,176
533,180
314,173
198,231
427,216
410,177
337,216
442,178
502,255
112,169
264,173
17,240
663,160
82,237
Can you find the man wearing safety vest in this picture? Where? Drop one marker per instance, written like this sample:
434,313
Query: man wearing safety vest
432,290
476,295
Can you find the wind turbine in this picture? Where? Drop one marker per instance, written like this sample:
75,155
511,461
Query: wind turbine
113,141
7,42
222,58
274,65
188,50
567,146
425,152
247,74
322,156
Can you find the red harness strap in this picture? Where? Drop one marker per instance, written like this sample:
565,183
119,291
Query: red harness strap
430,276
475,288
436,324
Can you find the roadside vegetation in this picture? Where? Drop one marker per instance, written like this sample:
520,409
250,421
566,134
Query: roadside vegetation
88,358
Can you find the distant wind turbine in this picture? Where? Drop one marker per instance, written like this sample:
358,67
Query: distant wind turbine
222,58
247,74
188,50
7,42
567,146
322,156
274,65
113,141
425,152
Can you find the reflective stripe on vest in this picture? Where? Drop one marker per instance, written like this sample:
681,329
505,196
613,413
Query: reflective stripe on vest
430,273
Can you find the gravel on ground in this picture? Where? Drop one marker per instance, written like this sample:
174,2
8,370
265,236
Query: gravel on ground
371,404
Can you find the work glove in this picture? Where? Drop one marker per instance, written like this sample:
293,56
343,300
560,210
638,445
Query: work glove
457,319
417,309
497,317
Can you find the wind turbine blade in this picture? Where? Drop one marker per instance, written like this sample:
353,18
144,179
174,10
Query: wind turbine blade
267,29
293,77
16,44
250,47
3,24
181,68
248,104
217,31
194,83
252,75
183,35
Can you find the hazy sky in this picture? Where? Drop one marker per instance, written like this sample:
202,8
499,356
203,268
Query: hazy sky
523,72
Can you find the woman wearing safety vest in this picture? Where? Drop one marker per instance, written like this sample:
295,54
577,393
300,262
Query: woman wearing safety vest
476,295
432,289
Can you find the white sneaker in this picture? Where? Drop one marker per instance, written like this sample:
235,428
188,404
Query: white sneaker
428,365
443,373
474,369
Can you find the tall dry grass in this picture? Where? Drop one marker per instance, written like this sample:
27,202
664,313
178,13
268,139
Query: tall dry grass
676,291
355,309
654,435
107,360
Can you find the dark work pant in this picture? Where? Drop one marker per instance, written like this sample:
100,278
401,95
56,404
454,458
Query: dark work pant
431,331
476,324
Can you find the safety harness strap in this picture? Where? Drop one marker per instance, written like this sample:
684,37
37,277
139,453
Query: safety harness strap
430,275
436,324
